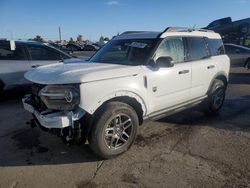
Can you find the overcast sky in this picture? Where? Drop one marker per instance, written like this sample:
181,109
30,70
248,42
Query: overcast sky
27,18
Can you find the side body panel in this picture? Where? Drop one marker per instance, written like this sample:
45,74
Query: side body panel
204,71
167,86
94,94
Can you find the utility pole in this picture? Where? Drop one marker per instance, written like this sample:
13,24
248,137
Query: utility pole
60,37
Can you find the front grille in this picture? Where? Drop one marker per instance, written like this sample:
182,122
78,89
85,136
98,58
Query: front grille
36,101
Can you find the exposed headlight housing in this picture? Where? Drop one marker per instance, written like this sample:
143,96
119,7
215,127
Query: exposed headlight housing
60,97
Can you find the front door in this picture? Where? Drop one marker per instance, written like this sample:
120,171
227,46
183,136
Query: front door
169,86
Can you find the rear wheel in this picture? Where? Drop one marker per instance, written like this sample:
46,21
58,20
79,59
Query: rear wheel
114,129
247,64
1,89
215,99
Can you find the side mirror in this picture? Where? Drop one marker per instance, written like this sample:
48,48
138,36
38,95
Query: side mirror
165,61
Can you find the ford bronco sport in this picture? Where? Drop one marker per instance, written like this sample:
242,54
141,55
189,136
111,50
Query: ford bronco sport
134,77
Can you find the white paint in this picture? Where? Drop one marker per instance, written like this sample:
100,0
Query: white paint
165,86
12,45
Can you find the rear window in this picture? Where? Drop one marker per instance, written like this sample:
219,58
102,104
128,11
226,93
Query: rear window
197,49
7,54
216,46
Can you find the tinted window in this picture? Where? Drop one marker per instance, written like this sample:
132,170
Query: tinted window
43,53
215,46
172,47
7,54
197,48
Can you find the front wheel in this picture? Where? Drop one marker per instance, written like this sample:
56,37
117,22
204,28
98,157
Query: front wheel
215,99
114,129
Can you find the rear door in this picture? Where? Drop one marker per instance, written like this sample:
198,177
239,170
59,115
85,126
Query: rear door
203,66
14,63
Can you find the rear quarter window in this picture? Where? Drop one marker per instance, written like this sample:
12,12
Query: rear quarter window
197,49
216,46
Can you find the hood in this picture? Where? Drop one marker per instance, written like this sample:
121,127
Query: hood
66,73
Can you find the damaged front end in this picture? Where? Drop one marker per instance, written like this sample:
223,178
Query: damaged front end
55,108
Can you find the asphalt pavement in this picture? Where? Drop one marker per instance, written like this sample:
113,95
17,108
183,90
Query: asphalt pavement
187,149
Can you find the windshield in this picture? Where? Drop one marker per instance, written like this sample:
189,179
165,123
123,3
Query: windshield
125,52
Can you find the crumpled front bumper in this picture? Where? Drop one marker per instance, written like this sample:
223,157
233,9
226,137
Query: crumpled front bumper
50,119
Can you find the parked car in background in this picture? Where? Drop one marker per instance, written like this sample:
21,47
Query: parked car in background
239,55
226,25
89,47
55,45
24,56
236,32
60,47
74,47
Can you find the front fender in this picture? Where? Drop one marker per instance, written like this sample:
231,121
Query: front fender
98,102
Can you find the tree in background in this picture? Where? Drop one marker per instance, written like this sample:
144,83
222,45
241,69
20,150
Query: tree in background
79,38
71,40
106,39
38,38
101,39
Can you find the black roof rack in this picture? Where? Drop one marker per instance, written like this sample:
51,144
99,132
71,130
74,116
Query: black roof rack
185,29
171,29
132,32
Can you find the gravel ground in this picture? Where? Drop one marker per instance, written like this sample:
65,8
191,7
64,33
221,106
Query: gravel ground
184,150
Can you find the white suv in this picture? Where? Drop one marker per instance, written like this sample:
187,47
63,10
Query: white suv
134,77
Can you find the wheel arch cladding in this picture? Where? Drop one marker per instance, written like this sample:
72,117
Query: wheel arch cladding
219,76
223,78
1,85
137,105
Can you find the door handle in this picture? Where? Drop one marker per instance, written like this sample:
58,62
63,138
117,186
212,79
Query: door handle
210,67
184,72
35,66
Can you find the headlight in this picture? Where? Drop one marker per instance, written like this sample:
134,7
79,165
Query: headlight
60,97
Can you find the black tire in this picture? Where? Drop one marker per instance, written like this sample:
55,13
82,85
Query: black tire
1,93
247,64
216,97
1,89
103,142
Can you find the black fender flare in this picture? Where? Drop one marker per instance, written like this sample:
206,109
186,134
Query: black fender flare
1,85
247,63
221,76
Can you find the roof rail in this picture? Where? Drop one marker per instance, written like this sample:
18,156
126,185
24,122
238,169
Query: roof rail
185,29
131,32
